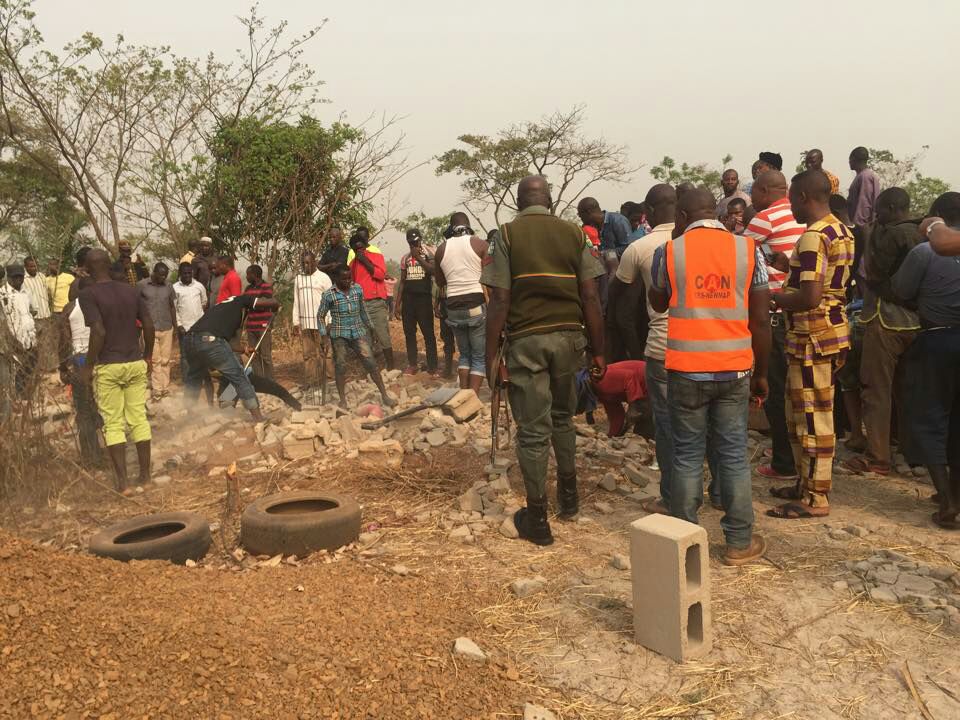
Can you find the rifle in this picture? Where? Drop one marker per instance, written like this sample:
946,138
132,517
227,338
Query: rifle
500,380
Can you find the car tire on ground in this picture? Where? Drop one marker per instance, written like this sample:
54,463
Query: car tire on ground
298,523
173,536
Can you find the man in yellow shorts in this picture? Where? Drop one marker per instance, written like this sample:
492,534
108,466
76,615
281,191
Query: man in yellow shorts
111,310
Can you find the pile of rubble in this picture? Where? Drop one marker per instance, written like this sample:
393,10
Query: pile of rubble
890,577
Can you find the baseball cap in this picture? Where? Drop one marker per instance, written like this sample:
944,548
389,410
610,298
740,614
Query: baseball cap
413,235
15,269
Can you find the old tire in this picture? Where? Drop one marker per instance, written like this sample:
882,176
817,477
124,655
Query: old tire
173,536
299,523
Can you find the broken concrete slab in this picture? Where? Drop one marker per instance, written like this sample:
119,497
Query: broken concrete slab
467,649
524,587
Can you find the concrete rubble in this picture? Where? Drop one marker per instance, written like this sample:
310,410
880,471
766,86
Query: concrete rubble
891,577
466,649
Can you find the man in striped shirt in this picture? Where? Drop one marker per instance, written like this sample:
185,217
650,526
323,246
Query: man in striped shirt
258,322
776,232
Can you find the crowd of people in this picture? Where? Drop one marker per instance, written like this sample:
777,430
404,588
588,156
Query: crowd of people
840,315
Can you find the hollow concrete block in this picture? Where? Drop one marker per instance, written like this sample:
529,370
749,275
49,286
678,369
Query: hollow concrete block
671,587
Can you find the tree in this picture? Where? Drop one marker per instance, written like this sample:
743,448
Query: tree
700,174
431,227
274,188
130,124
555,146
904,172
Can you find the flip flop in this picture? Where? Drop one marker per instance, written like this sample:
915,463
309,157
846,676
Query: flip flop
794,511
862,465
767,471
787,492
945,524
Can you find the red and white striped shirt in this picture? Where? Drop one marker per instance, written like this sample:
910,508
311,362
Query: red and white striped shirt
776,228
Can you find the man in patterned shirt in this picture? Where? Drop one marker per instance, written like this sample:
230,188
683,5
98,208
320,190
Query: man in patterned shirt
348,332
817,341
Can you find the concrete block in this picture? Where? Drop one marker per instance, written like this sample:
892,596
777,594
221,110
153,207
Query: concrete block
671,587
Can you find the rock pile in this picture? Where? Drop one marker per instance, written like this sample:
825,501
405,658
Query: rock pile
486,505
890,577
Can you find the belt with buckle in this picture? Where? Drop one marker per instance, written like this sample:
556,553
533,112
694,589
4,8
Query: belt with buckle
775,319
205,338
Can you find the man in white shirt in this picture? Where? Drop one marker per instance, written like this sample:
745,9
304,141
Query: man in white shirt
16,305
308,289
35,285
636,265
190,302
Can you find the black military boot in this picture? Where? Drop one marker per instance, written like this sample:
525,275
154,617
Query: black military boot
568,501
531,522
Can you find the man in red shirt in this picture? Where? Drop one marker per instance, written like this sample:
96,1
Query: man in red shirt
624,382
231,286
369,270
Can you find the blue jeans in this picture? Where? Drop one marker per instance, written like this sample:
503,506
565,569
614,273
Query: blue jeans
470,328
657,390
716,410
205,354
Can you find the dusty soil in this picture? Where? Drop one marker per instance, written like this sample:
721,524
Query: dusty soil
84,637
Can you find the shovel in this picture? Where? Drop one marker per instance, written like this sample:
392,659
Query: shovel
440,396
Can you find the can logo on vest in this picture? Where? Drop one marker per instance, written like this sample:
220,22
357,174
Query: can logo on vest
712,286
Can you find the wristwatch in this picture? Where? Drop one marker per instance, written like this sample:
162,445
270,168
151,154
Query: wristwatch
932,225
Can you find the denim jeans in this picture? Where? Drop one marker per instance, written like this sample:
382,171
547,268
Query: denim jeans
470,328
716,410
205,354
657,390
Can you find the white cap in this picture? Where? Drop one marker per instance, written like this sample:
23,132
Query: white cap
206,239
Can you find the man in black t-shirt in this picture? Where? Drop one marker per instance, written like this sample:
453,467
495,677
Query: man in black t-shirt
414,302
335,255
207,347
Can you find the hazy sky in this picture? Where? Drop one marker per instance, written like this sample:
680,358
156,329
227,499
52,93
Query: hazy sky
693,79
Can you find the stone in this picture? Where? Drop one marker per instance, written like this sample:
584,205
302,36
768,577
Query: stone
862,567
636,475
401,570
500,484
840,585
367,538
608,482
536,712
620,562
471,501
915,584
856,530
508,529
349,430
941,573
436,437
294,449
884,577
492,508
671,587
467,649
920,471
883,595
841,535
162,480
460,533
524,587
303,416
605,508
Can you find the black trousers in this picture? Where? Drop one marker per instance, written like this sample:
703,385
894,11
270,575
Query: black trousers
775,407
417,311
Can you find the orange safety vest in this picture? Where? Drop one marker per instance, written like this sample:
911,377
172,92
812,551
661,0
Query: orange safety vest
708,330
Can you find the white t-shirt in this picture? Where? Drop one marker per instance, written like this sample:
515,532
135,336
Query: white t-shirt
189,301
638,259
307,292
79,332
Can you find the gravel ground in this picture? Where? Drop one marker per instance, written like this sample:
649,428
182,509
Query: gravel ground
84,637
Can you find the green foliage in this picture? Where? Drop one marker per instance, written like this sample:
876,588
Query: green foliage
430,227
554,146
273,187
904,172
700,174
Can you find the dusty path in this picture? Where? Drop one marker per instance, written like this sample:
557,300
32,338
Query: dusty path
798,636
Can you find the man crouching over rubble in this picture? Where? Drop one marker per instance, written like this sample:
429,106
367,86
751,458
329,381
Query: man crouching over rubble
207,347
348,330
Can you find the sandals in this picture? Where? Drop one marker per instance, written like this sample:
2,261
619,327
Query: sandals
863,465
797,511
941,522
766,470
655,507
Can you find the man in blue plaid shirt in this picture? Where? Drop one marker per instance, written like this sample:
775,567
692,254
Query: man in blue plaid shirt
348,330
